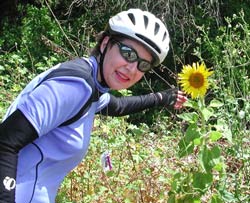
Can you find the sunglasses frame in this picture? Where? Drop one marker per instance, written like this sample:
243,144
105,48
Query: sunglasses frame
138,59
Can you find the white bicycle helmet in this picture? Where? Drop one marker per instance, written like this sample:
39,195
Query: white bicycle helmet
144,27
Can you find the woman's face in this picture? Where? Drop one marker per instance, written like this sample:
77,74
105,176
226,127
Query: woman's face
118,73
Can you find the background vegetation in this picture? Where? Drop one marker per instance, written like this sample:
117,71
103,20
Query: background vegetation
156,155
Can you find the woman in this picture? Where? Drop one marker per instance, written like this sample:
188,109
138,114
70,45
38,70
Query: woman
42,137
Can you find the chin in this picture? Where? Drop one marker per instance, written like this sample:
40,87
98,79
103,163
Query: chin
118,87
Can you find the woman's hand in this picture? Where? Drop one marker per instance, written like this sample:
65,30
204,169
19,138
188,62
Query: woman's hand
181,99
172,98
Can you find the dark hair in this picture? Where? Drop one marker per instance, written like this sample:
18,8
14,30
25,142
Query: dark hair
99,38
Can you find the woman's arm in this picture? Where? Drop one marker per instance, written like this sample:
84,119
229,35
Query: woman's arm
15,132
120,106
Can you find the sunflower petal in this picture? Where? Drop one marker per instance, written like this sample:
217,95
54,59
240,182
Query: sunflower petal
194,79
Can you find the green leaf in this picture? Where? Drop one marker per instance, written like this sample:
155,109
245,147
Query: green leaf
216,199
216,103
2,67
192,104
187,198
192,133
171,199
219,166
198,141
209,158
189,117
207,113
186,144
223,127
215,135
227,196
185,149
202,181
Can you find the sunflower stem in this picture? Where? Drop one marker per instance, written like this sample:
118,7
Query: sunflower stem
203,121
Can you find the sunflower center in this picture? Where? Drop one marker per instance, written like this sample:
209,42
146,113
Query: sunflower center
196,80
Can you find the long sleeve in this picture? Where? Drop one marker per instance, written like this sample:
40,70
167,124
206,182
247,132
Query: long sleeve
15,133
120,106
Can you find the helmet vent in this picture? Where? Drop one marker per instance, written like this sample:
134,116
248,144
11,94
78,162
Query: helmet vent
164,36
132,17
145,21
157,27
148,41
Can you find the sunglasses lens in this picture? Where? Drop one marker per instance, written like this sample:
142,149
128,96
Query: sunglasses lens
131,56
144,66
128,53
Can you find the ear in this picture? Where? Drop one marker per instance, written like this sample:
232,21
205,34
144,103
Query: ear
104,43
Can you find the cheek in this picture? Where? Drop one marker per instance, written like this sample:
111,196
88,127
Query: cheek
108,66
138,76
112,61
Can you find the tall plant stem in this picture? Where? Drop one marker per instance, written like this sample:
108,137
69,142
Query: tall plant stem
203,121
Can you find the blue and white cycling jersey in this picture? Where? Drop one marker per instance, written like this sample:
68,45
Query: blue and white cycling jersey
43,164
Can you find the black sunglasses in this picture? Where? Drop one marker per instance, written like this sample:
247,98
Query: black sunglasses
130,55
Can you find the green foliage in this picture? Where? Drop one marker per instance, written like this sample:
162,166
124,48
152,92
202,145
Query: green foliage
230,59
139,160
200,156
211,134
35,24
23,52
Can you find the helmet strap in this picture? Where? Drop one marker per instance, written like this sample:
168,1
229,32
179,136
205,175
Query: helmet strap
102,55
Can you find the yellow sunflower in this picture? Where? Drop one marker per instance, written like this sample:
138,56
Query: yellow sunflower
194,79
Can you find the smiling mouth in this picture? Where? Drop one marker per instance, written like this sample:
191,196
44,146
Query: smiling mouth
122,77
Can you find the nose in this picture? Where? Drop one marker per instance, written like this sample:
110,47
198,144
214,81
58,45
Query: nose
132,66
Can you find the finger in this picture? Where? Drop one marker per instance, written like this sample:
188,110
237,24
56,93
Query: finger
179,103
180,93
178,106
181,99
